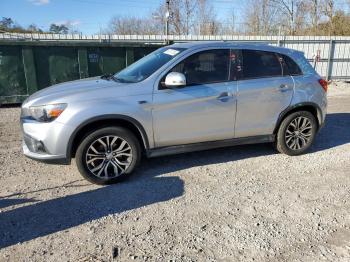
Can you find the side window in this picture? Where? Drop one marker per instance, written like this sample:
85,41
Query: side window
291,67
236,67
205,67
258,64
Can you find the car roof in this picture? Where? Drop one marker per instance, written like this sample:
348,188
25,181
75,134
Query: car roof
235,44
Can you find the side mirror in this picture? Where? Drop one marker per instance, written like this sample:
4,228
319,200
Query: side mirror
175,79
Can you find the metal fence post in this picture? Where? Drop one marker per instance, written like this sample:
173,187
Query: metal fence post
330,59
83,63
129,56
279,36
29,69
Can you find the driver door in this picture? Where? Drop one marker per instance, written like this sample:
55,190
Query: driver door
203,110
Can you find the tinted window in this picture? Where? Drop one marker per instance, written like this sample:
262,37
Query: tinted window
291,68
205,67
260,64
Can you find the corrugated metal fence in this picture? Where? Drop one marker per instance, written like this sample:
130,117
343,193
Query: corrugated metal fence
29,62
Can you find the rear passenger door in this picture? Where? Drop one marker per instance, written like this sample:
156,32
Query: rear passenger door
264,90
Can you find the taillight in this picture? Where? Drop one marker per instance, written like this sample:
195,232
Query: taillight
324,84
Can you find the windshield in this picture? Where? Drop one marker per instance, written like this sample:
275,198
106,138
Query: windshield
147,65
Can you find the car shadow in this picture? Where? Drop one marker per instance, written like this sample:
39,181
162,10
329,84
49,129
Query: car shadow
47,217
335,132
144,188
14,201
71,184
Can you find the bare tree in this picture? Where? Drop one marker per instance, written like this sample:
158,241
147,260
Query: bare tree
328,11
206,17
175,20
315,15
340,24
261,17
186,17
293,14
252,18
229,26
133,26
159,19
183,16
189,9
231,22
301,18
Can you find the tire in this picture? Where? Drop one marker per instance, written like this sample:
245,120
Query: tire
108,155
296,133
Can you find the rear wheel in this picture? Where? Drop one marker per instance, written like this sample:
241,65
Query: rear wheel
108,155
296,133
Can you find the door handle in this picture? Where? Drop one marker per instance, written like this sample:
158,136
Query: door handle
284,87
224,96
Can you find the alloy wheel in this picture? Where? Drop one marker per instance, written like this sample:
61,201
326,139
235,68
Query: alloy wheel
108,157
298,133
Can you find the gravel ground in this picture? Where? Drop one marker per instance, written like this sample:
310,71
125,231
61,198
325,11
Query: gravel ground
245,203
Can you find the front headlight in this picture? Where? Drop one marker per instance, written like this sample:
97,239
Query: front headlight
46,113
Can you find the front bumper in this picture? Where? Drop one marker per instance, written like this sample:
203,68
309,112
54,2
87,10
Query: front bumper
46,142
45,158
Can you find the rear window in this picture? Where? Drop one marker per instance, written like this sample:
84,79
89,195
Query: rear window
258,64
291,68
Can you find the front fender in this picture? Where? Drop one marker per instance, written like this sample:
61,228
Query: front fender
78,115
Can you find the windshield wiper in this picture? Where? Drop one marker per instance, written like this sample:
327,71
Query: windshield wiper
108,77
111,76
114,78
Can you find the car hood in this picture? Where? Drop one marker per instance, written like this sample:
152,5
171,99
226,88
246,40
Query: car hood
83,89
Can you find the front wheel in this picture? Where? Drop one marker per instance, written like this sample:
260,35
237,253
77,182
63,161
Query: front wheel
296,133
108,155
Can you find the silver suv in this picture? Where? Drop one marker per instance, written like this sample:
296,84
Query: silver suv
180,98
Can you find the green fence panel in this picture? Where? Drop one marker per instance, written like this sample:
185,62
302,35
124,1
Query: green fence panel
26,67
56,64
140,52
12,77
106,60
29,69
130,56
